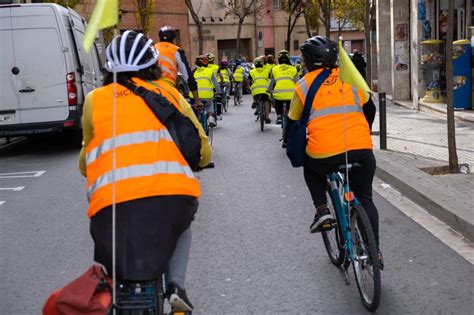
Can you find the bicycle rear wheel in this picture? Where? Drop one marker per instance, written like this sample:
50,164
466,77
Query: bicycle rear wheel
261,113
333,240
366,264
210,134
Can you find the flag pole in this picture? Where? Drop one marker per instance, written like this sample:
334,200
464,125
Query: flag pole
346,155
114,167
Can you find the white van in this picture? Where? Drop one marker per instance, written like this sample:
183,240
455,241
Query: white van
44,71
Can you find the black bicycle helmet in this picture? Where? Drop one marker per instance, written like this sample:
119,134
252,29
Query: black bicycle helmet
284,57
319,52
167,34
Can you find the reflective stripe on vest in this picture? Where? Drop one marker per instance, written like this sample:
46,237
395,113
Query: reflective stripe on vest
284,78
127,139
162,167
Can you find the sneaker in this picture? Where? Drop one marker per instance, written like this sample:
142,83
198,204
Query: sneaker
212,121
268,121
323,219
278,121
178,299
380,258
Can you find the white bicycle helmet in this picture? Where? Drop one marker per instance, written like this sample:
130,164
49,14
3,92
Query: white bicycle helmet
129,60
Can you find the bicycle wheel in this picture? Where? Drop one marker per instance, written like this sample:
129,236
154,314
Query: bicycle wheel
366,265
261,113
225,104
333,240
210,134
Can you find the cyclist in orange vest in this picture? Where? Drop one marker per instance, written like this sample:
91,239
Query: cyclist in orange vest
173,58
339,122
155,191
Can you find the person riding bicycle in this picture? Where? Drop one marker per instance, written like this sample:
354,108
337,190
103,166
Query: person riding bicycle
339,122
215,68
282,83
155,191
207,83
173,58
299,68
259,86
238,77
226,74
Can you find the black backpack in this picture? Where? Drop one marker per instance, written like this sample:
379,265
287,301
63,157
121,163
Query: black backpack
180,127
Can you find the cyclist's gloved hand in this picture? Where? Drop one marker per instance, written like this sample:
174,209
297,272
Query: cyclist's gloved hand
198,105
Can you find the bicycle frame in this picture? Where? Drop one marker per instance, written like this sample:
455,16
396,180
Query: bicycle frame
339,191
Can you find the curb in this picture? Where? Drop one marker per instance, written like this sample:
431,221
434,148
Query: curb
415,194
425,107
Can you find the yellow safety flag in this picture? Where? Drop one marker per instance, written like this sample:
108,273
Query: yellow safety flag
105,15
350,74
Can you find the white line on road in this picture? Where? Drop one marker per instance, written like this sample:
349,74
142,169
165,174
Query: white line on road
13,188
439,229
22,174
2,202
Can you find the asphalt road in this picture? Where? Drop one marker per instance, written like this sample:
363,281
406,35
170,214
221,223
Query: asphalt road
252,252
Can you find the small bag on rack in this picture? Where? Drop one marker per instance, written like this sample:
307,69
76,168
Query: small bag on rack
180,127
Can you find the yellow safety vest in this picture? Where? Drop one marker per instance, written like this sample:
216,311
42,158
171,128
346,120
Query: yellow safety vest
203,76
239,74
284,76
214,67
269,67
225,74
260,81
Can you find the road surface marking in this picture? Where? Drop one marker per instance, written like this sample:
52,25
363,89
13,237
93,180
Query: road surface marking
439,229
14,188
22,174
2,202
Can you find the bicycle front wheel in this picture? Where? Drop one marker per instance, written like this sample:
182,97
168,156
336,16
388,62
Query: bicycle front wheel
333,241
365,263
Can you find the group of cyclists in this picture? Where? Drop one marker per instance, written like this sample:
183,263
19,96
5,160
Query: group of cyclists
155,191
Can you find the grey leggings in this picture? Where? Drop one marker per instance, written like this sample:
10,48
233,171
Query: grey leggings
179,260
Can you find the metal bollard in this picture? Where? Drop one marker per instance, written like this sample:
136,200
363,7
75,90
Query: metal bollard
383,120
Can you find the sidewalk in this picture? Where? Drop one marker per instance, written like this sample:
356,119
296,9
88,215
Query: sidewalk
417,140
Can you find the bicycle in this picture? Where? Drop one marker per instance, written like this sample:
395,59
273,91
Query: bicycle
225,101
237,93
260,110
350,240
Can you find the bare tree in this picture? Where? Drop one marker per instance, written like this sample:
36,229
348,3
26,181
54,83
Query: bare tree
453,156
145,10
240,9
198,23
324,13
294,9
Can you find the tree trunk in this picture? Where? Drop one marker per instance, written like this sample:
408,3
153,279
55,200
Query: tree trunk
198,23
239,31
453,157
306,22
288,33
327,24
368,46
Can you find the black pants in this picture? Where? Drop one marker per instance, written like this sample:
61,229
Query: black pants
147,232
360,180
279,106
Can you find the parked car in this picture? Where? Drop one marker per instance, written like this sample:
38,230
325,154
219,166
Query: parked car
45,72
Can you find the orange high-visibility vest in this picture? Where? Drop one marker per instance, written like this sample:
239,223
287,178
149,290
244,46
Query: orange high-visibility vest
336,122
148,162
167,61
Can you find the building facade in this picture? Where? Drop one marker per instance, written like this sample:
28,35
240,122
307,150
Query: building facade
411,52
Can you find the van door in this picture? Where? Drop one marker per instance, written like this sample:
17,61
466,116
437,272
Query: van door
39,55
87,62
9,113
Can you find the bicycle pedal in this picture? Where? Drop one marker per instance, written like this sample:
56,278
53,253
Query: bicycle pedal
328,226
